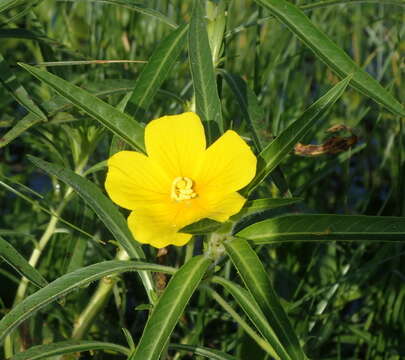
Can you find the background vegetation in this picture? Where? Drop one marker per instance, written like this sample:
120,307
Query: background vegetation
345,300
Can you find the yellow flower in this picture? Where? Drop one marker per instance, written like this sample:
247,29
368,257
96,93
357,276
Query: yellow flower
180,181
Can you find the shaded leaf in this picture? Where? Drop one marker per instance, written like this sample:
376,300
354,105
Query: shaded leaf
330,53
18,262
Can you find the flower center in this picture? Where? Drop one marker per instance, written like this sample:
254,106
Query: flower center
182,189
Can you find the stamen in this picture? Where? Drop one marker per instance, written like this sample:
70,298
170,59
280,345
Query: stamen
182,189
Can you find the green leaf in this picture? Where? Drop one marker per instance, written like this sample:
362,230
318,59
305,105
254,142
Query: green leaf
257,282
18,262
249,105
208,105
10,82
203,351
103,207
6,4
114,120
330,53
308,227
142,9
66,284
252,310
156,70
68,347
274,152
203,226
169,308
260,205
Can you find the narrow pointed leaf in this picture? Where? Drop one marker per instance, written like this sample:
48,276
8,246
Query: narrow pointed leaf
156,70
274,153
6,4
110,117
258,283
208,105
260,205
308,227
66,284
203,226
13,86
203,351
256,316
138,7
169,308
68,347
18,262
103,207
330,53
249,105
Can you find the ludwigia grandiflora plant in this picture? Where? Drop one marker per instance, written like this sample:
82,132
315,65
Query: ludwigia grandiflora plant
188,114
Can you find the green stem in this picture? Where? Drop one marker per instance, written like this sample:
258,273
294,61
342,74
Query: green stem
33,261
96,303
37,252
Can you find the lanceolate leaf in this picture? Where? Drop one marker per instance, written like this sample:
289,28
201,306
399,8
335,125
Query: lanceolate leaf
203,226
274,153
114,120
309,227
257,282
249,105
10,82
252,310
203,351
329,52
260,205
66,284
156,70
169,308
103,207
68,347
6,4
18,262
208,105
138,7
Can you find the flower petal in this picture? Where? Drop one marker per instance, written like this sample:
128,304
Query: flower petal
229,164
176,143
134,179
223,209
149,230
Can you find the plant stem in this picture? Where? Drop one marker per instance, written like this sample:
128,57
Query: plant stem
97,301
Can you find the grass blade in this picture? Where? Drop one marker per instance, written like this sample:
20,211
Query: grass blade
169,308
208,105
103,207
68,347
114,120
155,71
273,154
18,262
307,227
330,53
257,282
66,284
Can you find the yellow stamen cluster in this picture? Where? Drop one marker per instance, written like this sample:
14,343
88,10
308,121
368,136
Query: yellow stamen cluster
182,189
